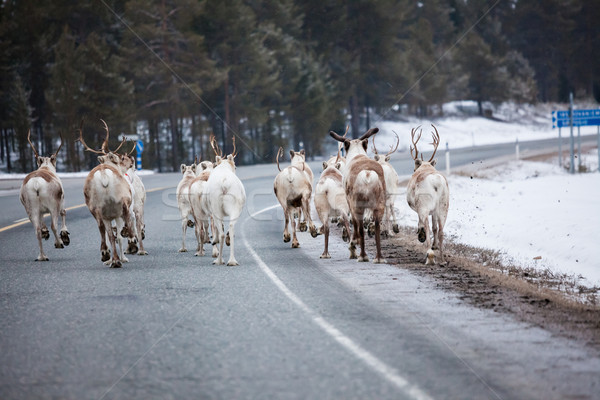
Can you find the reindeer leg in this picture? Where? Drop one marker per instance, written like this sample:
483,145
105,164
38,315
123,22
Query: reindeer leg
104,251
221,234
199,229
140,234
430,260
34,217
326,233
184,225
53,225
129,229
307,217
361,237
378,258
295,243
232,261
115,262
352,246
286,232
64,232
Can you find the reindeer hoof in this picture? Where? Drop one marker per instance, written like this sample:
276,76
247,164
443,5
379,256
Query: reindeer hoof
59,245
142,253
218,262
182,250
313,232
325,255
132,248
295,245
143,234
379,261
45,233
363,259
345,235
421,235
64,235
116,264
105,255
232,263
302,227
286,238
199,254
42,258
396,228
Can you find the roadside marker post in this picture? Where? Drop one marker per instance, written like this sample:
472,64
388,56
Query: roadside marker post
447,160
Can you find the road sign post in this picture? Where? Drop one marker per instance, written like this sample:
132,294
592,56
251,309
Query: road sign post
139,147
578,118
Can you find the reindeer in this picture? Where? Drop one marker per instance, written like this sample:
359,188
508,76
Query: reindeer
293,190
226,198
365,189
330,200
109,198
183,200
298,160
392,185
42,192
139,199
198,198
427,194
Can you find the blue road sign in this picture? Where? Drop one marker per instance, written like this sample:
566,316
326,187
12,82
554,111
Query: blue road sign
139,146
561,119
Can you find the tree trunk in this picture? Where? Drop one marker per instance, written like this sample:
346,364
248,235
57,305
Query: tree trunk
354,116
174,141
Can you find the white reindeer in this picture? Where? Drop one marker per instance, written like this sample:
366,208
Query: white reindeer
392,186
298,160
330,200
293,190
365,189
428,194
226,199
109,198
139,199
183,200
198,198
42,192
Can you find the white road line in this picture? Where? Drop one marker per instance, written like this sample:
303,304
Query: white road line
389,373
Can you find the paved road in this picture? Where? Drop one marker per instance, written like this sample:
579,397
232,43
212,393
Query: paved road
283,324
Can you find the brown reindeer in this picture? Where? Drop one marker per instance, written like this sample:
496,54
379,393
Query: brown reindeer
427,194
365,189
109,198
42,192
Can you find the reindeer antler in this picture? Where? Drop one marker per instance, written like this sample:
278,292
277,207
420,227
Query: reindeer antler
60,145
234,153
436,141
31,144
215,146
88,148
374,148
414,142
105,143
392,148
279,155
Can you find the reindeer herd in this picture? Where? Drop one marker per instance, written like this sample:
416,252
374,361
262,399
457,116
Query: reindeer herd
354,190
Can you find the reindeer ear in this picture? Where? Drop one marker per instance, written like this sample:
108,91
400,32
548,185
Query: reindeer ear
302,152
433,162
338,165
39,161
346,146
365,144
376,157
418,163
101,159
217,160
53,159
182,168
291,153
194,167
324,165
388,158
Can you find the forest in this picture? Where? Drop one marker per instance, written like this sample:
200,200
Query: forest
271,72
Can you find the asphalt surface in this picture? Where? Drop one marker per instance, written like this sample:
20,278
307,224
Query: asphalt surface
283,324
